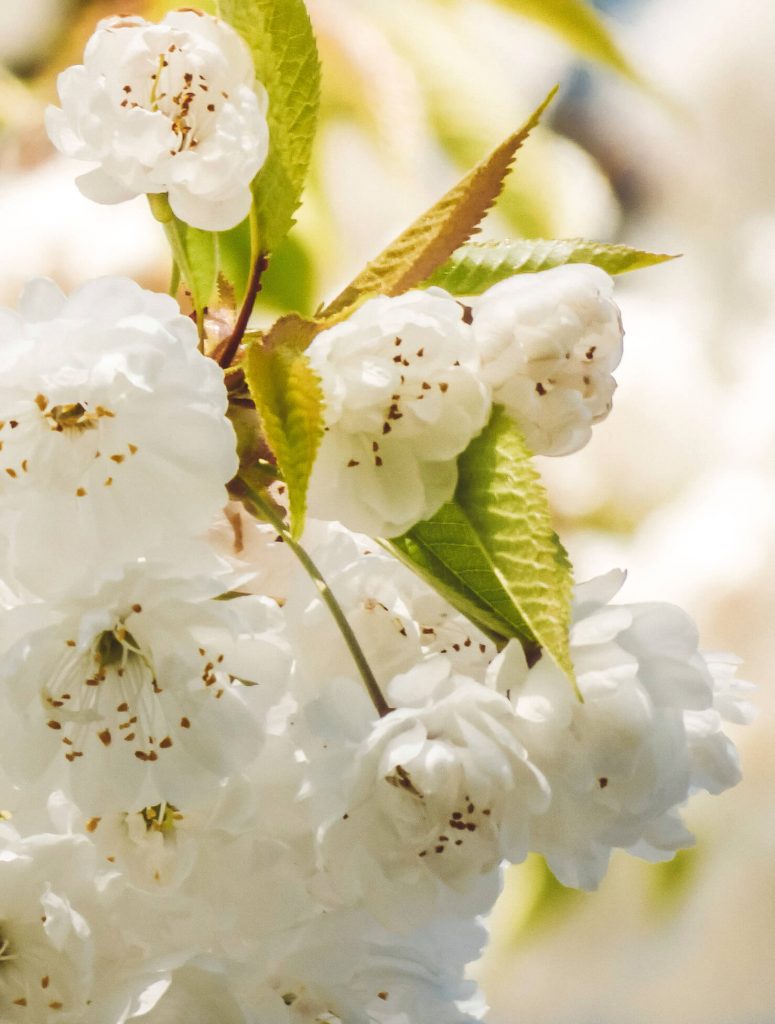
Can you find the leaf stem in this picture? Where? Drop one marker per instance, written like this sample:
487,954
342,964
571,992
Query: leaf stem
266,510
160,208
174,279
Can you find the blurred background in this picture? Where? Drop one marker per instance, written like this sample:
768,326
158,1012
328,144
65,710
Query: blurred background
663,137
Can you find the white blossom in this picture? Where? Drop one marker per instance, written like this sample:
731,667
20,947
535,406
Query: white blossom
113,429
46,946
622,763
397,618
549,343
341,967
134,692
403,399
440,793
169,108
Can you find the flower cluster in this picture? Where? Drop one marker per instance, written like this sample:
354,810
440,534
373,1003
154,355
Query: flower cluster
206,814
409,382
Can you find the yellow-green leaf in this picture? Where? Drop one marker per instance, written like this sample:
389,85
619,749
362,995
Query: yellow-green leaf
424,246
580,25
478,265
287,394
280,36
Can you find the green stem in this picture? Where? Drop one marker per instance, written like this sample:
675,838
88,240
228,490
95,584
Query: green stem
160,208
333,605
174,279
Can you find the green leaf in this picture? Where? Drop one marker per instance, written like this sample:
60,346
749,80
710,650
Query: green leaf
193,250
579,24
501,494
201,262
290,279
234,259
496,545
424,246
478,265
280,36
287,394
468,582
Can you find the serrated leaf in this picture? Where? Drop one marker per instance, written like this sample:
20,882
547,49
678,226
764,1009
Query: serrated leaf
280,36
467,583
424,246
501,495
292,332
474,267
287,394
580,25
496,545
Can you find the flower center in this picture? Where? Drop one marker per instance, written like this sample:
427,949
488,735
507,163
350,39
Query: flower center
72,416
114,648
161,818
183,95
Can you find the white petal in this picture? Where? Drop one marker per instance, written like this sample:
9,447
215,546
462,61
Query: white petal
210,214
100,187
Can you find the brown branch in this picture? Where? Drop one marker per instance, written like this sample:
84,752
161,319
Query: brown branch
225,355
